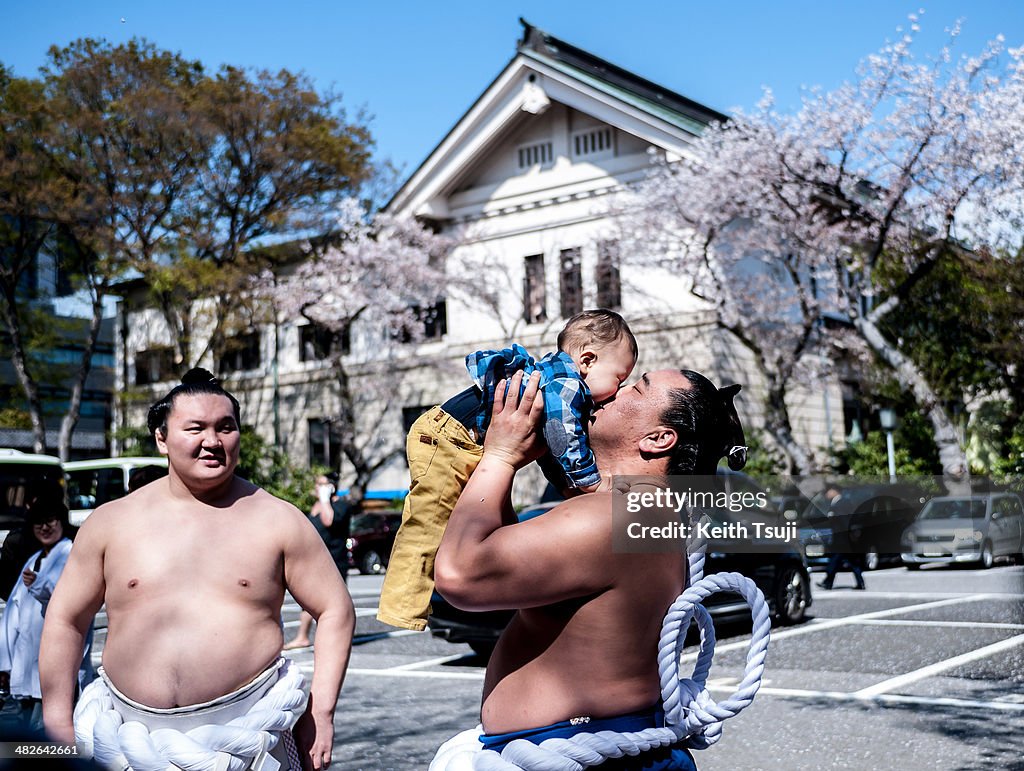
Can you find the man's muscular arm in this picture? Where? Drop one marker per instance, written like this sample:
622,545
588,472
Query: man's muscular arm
487,562
76,600
313,580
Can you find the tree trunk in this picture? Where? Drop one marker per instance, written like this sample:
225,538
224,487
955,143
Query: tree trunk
778,426
20,361
951,455
70,419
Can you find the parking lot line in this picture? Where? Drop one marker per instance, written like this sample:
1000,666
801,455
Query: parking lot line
832,623
433,662
477,674
950,624
939,667
883,698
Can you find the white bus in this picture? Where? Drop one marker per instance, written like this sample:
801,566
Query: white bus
92,483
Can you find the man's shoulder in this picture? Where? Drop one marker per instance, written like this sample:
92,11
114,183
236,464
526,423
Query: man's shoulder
251,495
590,513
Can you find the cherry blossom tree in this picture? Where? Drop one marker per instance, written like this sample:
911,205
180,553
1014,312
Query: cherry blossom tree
371,289
837,211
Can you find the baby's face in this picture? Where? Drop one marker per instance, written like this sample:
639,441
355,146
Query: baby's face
609,370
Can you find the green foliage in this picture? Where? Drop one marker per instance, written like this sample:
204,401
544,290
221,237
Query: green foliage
996,445
916,454
135,441
12,417
272,469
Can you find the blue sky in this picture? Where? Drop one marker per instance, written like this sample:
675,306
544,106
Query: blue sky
417,66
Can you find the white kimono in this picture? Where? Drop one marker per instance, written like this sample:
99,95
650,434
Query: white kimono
22,626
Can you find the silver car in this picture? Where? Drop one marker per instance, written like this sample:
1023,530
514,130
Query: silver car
975,528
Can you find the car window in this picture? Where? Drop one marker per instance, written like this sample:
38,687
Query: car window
89,488
1006,507
955,508
19,482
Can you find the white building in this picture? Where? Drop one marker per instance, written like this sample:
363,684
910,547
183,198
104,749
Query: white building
523,180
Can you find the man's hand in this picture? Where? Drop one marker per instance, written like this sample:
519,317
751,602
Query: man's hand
314,738
512,436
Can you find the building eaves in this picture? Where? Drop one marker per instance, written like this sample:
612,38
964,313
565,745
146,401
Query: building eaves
666,104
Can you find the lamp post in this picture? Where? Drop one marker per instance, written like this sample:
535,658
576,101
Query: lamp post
887,417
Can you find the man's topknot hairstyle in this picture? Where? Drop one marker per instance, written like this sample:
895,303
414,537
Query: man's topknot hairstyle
600,326
708,426
196,381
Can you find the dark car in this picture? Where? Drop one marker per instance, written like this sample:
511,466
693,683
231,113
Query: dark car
778,570
867,519
371,536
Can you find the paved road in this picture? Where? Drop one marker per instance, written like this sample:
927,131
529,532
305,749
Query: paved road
923,671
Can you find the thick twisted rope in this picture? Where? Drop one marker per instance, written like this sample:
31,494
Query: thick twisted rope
691,713
101,733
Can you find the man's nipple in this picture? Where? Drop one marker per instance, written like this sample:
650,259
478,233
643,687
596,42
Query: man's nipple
133,583
243,582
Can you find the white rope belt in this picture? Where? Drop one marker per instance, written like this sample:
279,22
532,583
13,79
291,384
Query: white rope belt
101,733
690,712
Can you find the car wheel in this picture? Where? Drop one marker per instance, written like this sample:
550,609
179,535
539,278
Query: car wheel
987,555
371,564
872,559
912,566
791,596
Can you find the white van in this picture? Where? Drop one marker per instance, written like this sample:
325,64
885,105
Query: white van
22,475
92,483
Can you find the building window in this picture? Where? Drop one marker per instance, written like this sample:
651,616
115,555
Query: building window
534,293
539,154
608,279
570,283
154,365
431,322
599,141
324,443
317,342
241,353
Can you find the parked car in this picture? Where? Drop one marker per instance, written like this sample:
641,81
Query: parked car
970,528
867,519
371,537
778,570
92,483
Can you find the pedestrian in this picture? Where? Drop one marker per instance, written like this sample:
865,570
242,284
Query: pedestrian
330,516
843,539
22,625
193,569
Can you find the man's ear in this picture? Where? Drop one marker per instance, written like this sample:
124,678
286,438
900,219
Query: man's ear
587,359
161,441
660,440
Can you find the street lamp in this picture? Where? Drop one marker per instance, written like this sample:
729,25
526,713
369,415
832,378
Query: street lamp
887,417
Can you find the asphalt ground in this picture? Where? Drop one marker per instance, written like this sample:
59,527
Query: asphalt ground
925,670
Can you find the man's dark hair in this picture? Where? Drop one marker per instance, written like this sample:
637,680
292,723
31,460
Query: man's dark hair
600,326
708,427
196,381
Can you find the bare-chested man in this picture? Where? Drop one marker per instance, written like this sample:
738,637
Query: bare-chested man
581,653
193,569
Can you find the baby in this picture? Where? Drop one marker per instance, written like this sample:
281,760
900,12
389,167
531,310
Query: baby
596,354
